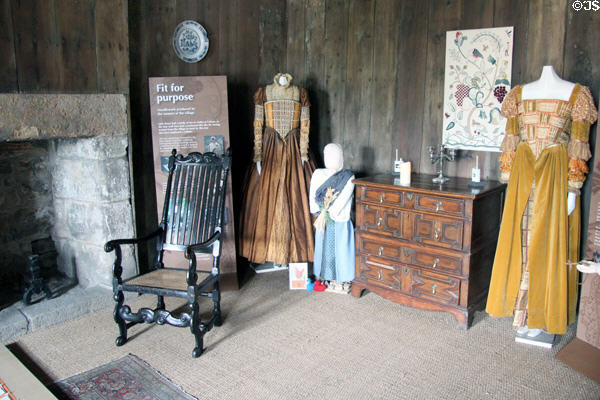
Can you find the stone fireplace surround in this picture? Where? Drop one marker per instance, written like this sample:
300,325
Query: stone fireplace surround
64,173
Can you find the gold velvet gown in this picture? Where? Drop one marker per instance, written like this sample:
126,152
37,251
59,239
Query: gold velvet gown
545,152
276,224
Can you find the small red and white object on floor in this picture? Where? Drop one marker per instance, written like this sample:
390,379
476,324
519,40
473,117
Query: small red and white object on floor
298,275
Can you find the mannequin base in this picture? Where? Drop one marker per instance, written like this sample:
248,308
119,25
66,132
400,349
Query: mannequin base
543,339
267,267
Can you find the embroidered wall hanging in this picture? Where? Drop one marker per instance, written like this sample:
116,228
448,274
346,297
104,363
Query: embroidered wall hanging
477,77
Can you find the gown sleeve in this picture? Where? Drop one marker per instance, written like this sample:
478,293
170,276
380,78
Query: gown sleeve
583,115
304,124
512,135
259,120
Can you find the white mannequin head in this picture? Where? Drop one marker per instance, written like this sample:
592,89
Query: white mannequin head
333,156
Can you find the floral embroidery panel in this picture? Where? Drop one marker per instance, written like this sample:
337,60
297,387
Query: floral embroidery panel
477,78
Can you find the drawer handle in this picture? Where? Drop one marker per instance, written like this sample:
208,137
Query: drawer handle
435,263
436,234
379,274
438,205
380,251
381,197
379,222
433,288
406,252
406,270
409,196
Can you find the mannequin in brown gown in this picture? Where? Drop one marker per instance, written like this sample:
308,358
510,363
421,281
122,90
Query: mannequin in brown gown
275,221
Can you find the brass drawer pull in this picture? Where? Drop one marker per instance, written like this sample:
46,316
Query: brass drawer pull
433,288
436,234
379,274
379,222
381,197
409,196
380,251
438,205
435,263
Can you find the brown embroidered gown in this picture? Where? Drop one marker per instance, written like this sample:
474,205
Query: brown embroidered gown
275,221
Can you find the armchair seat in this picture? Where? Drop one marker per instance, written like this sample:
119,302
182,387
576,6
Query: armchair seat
191,223
173,279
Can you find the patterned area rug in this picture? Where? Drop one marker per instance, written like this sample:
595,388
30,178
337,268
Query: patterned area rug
126,378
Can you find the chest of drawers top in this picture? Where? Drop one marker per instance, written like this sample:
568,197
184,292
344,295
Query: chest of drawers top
457,188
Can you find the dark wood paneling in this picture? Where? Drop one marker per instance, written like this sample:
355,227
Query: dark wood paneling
410,82
383,96
442,17
64,46
38,48
334,52
112,46
272,45
545,37
358,152
8,65
314,63
76,31
295,51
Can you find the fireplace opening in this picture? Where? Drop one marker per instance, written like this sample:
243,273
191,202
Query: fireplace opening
64,174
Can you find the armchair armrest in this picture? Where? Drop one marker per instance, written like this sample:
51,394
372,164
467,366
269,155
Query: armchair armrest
190,254
206,245
116,246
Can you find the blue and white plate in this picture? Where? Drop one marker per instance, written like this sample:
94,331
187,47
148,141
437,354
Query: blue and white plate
190,41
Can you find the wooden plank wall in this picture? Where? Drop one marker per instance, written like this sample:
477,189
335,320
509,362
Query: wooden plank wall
66,46
381,82
373,68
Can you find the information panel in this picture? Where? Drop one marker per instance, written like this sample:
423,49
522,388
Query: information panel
189,114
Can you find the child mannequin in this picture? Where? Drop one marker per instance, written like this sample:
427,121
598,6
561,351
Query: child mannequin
331,194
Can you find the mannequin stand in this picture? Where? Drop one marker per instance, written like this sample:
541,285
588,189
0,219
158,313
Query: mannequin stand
535,337
267,267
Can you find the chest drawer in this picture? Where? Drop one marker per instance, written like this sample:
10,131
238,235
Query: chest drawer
386,197
418,283
407,254
436,287
440,205
412,226
378,272
438,231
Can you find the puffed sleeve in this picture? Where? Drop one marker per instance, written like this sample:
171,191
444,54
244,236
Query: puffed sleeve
304,124
512,135
259,120
583,115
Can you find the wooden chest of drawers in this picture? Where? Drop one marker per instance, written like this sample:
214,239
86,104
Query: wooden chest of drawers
427,245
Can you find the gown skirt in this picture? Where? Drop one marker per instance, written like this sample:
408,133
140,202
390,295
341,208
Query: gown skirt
276,224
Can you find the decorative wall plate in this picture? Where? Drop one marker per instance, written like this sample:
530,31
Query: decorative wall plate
190,41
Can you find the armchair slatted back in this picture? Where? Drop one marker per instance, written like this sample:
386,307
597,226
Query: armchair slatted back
194,198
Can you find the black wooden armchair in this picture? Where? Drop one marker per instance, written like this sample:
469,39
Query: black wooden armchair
191,222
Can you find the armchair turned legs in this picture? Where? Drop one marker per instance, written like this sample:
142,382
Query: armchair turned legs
196,331
160,304
216,296
122,339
